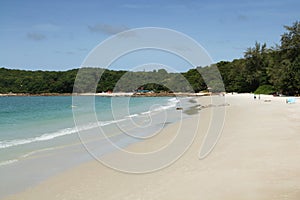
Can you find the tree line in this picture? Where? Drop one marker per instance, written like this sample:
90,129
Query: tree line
267,70
261,70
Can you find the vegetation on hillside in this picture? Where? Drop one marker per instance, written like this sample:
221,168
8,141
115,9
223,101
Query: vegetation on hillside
262,70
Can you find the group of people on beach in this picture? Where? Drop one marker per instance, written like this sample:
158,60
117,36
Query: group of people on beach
255,97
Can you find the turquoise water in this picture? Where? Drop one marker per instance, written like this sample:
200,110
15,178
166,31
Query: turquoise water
28,117
29,124
43,136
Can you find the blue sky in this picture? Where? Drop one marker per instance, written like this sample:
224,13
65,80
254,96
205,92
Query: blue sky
58,35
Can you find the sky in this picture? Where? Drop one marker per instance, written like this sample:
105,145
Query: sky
59,35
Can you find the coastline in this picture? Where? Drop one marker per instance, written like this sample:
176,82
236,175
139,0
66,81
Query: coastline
105,94
28,94
27,162
132,94
257,157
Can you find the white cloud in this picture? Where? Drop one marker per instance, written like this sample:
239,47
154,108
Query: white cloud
36,36
107,28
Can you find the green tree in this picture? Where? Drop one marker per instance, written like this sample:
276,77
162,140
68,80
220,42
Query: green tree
290,42
284,71
256,63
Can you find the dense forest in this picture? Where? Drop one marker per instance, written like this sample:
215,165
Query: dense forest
261,70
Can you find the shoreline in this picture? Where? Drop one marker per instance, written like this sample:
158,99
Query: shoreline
28,94
257,157
116,94
131,94
23,161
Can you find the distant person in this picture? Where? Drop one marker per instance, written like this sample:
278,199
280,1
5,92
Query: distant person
259,97
254,97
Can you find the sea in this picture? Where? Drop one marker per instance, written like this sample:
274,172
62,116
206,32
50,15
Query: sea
41,136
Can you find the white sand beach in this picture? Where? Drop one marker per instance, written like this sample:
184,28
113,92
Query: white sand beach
257,157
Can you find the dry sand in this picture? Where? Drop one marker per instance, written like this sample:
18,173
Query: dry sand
257,157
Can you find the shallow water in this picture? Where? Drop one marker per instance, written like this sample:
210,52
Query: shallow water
40,138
